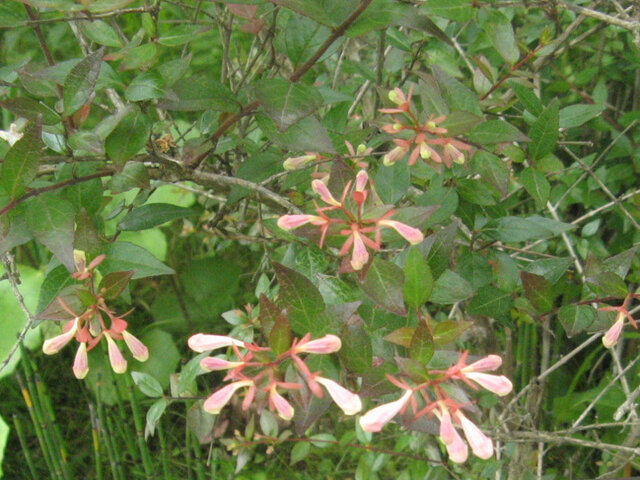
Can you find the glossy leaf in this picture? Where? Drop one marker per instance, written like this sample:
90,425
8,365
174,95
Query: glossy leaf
538,291
30,109
576,319
421,348
537,185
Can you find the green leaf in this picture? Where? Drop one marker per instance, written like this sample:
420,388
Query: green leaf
163,356
356,353
179,35
299,452
306,135
301,298
147,384
498,28
31,110
421,348
128,138
4,435
145,86
496,131
142,57
133,175
56,280
521,229
285,102
457,123
418,281
114,283
544,132
81,82
490,302
102,33
550,268
401,336
156,410
450,288
153,214
475,268
458,10
303,37
123,256
457,95
477,192
279,334
383,284
527,98
437,248
537,185
492,170
51,221
197,93
576,318
538,291
576,115
174,70
448,331
609,284
20,164
392,182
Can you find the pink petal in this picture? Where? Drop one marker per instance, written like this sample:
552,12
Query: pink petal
81,362
349,402
362,178
211,364
375,419
611,337
393,156
498,384
220,398
360,256
282,406
201,342
55,344
321,189
457,449
410,234
118,363
324,345
447,430
486,364
138,349
289,222
481,445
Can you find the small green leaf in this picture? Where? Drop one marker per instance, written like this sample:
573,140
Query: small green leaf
458,122
392,182
527,98
537,185
448,331
457,10
457,95
576,318
152,215
498,28
421,347
521,229
544,132
576,115
450,288
383,284
147,384
145,86
609,284
490,302
114,284
81,82
356,353
133,175
496,131
128,138
156,410
197,93
102,33
56,280
299,452
280,334
401,336
418,281
550,268
306,135
492,170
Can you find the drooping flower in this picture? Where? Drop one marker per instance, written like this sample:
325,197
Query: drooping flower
281,405
290,222
410,234
321,189
375,419
138,349
481,445
81,362
498,384
55,344
485,364
117,361
324,345
610,338
201,342
293,163
220,398
348,402
212,364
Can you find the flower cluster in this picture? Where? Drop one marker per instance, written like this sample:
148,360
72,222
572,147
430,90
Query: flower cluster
425,136
351,219
430,398
258,370
89,327
610,338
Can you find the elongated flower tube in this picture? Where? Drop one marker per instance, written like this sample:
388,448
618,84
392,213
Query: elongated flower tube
220,398
375,419
360,256
117,361
498,384
486,364
293,163
201,342
55,344
324,345
457,449
321,189
447,430
348,402
394,155
212,364
290,222
281,405
410,234
610,338
481,445
138,349
81,362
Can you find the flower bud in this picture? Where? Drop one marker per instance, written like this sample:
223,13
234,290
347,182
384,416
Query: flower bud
324,345
139,351
117,361
486,364
481,445
55,344
289,222
360,255
212,364
610,338
81,362
293,163
282,406
349,402
201,342
498,384
375,419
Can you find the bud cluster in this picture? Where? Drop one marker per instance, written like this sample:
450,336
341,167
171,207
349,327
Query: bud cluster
260,371
424,138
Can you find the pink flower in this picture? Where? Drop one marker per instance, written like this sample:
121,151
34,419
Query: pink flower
360,256
201,342
610,338
118,363
81,362
486,364
457,449
139,351
481,445
397,153
447,430
55,344
349,402
321,189
289,222
220,398
282,406
212,364
498,384
410,234
324,345
375,419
